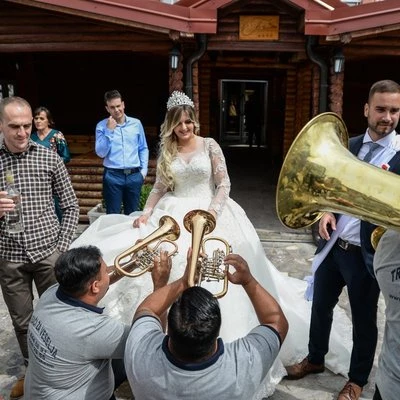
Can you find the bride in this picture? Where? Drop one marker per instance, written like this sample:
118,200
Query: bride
192,174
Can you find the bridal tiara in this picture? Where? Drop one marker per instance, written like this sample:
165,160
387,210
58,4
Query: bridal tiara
178,98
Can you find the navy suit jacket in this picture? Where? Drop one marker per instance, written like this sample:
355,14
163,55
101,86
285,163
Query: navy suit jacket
366,228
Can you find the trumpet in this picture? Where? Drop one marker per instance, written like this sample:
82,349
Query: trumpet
141,255
202,267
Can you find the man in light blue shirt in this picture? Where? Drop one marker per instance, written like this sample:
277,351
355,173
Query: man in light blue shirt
121,142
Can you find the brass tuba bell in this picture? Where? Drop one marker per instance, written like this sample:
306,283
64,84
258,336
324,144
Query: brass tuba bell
202,267
319,174
141,255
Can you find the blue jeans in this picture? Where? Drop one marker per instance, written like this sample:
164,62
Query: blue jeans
118,188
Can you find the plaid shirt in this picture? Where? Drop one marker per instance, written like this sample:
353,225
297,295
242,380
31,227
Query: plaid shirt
39,174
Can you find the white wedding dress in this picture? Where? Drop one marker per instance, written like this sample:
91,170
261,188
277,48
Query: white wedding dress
202,182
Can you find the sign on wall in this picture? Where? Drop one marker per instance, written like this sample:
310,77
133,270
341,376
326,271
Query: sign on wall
259,27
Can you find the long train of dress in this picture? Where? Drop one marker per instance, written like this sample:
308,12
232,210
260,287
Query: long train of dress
113,234
200,180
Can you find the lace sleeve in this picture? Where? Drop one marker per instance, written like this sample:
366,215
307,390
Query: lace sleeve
158,191
220,176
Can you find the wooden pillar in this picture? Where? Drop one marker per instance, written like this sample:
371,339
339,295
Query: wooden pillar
336,92
196,88
176,77
316,81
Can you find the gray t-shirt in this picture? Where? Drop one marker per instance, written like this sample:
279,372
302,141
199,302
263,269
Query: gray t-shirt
387,271
234,372
71,345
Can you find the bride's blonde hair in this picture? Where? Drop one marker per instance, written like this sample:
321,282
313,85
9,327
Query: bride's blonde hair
168,148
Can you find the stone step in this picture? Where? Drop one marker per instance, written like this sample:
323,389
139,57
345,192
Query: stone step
301,236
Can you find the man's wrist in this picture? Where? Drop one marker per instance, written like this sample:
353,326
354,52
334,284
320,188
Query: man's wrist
159,285
250,282
185,283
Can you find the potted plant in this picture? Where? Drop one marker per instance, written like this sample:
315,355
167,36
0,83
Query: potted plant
100,209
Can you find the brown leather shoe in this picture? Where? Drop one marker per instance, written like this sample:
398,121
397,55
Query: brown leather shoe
303,368
17,390
351,391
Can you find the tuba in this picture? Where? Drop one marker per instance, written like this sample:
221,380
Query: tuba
319,174
141,256
202,267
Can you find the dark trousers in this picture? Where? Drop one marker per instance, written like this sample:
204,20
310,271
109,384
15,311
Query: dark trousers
377,395
16,284
254,131
341,268
118,188
118,368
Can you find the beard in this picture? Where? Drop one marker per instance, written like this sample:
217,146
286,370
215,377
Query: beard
380,129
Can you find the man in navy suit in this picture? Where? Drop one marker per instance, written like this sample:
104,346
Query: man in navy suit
350,256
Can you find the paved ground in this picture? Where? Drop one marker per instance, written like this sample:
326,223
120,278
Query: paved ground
253,186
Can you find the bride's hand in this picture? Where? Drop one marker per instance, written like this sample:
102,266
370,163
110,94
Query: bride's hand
141,220
213,213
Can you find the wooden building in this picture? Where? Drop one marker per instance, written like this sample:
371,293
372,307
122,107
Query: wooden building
66,54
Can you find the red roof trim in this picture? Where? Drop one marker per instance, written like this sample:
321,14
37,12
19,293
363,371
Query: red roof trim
352,19
200,16
211,4
150,13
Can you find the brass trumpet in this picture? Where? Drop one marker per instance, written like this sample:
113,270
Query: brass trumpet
142,255
319,174
204,268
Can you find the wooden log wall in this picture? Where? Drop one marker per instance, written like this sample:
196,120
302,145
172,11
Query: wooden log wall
290,110
303,97
87,180
298,104
24,28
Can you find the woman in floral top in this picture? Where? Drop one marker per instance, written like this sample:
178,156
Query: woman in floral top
47,136
51,138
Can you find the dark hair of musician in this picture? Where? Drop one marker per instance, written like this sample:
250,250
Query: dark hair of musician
194,321
75,268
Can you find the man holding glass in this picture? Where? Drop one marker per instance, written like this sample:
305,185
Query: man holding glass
29,254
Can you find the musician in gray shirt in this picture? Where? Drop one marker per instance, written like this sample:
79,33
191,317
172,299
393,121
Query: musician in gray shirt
387,271
76,351
191,361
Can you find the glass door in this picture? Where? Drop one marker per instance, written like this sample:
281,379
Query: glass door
6,89
243,112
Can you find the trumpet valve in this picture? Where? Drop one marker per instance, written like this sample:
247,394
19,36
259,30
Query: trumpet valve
144,259
211,267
